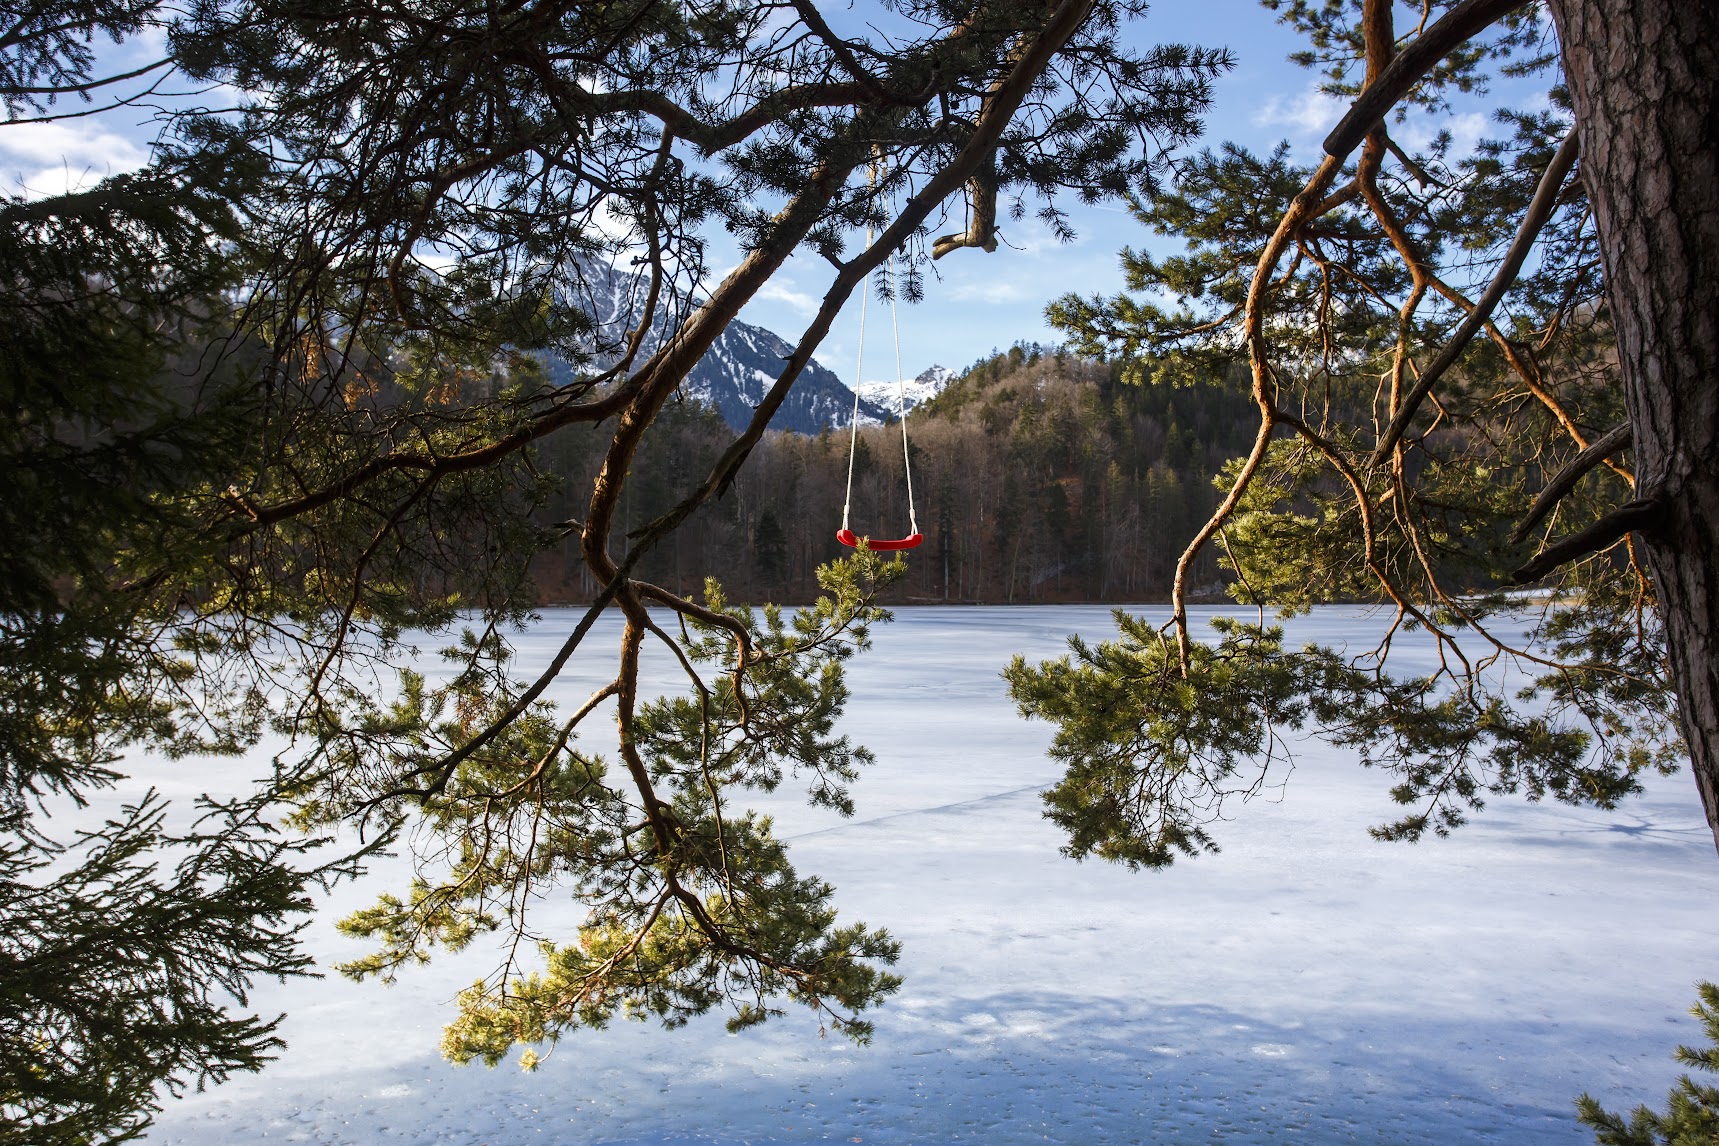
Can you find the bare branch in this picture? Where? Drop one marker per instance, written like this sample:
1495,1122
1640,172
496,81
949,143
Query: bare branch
1539,213
1461,23
1627,518
1565,480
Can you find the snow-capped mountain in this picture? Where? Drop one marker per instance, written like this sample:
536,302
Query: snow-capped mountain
739,369
887,396
737,372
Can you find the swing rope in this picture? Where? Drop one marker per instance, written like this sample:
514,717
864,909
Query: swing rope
846,535
859,380
901,396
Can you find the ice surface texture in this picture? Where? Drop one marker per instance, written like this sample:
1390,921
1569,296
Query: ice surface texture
1306,985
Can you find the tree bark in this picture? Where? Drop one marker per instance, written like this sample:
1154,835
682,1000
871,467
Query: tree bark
1643,75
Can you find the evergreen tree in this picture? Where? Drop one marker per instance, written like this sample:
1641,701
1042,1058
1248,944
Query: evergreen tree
126,950
770,547
282,401
1435,424
1691,1115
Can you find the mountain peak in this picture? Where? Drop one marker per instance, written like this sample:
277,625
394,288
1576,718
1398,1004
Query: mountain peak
927,385
739,369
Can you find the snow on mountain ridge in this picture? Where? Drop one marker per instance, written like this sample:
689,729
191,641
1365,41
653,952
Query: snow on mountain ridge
738,370
916,391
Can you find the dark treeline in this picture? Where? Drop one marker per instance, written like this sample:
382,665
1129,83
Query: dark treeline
1038,477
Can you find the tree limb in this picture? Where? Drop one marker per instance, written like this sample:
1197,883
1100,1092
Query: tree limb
982,227
88,85
434,466
1461,23
1302,209
1627,518
1539,212
1565,480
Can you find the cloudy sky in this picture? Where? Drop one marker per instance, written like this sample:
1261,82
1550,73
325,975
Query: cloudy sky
975,302
981,302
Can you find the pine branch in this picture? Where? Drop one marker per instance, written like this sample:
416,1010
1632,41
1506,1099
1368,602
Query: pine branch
1460,24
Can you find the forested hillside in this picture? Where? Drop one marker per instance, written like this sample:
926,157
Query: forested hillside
1038,477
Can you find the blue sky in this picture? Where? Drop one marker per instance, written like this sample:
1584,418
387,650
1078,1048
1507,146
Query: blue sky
985,302
980,302
975,302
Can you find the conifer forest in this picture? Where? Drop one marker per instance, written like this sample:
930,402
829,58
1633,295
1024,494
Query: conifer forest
1039,477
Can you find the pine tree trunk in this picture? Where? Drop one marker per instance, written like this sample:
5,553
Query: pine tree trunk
1643,74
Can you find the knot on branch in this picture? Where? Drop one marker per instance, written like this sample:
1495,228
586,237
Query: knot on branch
982,227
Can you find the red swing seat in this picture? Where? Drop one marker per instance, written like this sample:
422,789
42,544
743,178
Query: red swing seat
911,541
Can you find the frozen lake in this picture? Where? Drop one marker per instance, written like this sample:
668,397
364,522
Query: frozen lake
1308,984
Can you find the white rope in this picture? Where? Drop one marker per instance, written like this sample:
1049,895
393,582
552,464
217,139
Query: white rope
888,270
901,401
859,380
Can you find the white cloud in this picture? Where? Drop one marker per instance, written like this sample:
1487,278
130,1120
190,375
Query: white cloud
773,291
145,45
837,354
1465,131
1311,113
53,158
438,259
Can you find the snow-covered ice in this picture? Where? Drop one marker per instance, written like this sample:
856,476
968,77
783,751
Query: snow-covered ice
1306,985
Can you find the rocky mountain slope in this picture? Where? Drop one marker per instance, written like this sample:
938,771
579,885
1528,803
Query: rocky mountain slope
741,367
